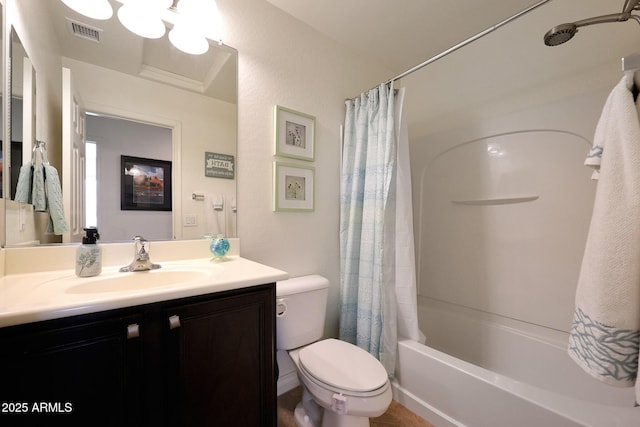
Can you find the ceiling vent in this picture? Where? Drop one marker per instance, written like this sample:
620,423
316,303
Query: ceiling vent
84,31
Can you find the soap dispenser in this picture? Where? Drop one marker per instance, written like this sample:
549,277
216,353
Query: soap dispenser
89,254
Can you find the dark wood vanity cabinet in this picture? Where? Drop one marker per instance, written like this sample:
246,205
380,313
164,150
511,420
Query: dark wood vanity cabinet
70,371
200,361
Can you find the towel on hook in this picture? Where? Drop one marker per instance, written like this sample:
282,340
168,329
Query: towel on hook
23,189
38,196
605,335
214,213
57,222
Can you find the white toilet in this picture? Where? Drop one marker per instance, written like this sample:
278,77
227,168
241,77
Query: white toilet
343,385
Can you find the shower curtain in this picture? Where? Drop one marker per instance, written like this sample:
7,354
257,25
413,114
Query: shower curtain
376,237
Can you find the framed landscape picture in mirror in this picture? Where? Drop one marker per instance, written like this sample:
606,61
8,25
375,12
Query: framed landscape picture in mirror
294,134
145,184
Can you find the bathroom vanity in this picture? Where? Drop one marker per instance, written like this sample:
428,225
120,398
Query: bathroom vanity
193,355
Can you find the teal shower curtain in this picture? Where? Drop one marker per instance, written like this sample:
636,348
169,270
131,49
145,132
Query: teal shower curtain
367,223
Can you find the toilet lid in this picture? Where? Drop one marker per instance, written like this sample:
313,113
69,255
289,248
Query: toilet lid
343,365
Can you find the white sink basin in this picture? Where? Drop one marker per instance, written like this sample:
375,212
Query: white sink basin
140,280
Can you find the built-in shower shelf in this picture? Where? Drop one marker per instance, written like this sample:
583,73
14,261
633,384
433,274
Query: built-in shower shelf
496,201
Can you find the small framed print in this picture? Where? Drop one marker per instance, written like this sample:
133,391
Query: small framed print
294,134
293,188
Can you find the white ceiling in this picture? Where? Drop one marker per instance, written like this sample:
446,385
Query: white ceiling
401,33
508,69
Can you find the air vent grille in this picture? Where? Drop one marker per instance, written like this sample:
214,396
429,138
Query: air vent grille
85,31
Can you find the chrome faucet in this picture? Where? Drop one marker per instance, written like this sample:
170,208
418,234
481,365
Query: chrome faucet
141,261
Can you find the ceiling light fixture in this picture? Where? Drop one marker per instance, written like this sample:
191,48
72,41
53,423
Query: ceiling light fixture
144,17
96,9
193,22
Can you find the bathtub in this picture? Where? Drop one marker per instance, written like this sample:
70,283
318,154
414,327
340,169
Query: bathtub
520,376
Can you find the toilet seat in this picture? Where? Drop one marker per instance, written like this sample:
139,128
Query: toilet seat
343,368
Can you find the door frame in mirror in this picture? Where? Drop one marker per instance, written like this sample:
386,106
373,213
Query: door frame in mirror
176,149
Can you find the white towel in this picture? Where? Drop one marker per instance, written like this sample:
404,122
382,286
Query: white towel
605,335
214,212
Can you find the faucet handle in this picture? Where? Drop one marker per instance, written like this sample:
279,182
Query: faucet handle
141,251
141,260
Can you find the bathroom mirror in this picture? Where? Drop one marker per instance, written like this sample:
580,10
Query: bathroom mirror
115,74
23,96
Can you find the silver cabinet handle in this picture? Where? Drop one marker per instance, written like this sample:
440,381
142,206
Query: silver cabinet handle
174,322
133,331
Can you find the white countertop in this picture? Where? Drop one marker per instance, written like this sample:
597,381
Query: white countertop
32,297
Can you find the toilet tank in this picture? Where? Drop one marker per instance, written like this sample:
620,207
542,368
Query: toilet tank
301,305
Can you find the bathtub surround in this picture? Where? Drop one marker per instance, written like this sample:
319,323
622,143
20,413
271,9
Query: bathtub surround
502,278
377,268
605,336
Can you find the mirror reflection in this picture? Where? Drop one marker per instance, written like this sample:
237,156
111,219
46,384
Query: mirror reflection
22,101
91,73
108,140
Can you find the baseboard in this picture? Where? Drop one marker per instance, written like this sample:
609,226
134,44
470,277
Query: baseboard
287,382
288,374
422,408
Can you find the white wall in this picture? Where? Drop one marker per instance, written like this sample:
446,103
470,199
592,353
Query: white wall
285,62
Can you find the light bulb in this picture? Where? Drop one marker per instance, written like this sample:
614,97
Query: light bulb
95,9
202,16
188,41
141,19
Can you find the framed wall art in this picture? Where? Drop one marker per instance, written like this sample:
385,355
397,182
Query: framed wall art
293,188
145,184
294,134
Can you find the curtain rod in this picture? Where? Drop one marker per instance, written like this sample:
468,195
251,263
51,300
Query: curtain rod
467,41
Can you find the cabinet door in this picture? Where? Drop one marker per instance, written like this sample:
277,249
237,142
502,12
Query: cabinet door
222,361
70,372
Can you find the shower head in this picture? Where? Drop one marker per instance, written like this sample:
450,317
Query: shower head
564,32
560,34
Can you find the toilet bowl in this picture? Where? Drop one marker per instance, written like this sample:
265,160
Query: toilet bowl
343,385
346,381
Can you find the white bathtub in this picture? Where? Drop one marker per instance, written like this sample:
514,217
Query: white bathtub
527,379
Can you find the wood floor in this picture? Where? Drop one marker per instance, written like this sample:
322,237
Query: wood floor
396,416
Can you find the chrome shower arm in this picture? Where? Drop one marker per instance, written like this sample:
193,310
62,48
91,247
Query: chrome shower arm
614,17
